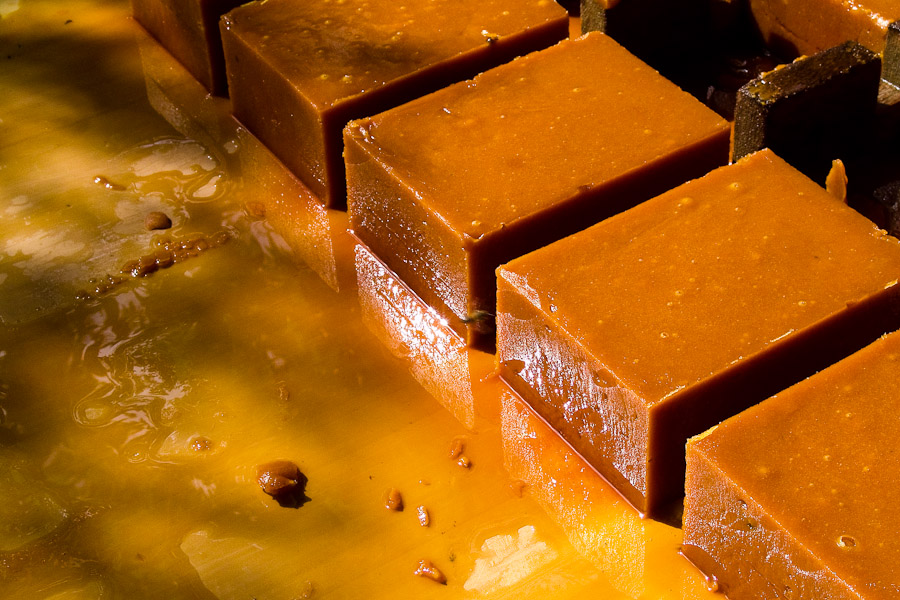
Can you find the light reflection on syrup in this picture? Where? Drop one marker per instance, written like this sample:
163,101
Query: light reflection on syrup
235,349
174,168
436,355
315,234
270,191
599,524
634,553
135,392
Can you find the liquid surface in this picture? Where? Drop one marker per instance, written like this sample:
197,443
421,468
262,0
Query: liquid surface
147,375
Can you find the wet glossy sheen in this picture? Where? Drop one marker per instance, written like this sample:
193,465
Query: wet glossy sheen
809,26
683,286
549,127
818,460
132,423
339,49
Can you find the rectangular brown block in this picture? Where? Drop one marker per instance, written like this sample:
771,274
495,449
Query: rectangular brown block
189,29
658,323
812,111
796,497
448,187
300,70
658,31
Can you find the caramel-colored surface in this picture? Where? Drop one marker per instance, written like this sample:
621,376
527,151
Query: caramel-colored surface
299,71
551,125
132,422
659,322
674,291
448,187
333,50
190,30
816,460
809,26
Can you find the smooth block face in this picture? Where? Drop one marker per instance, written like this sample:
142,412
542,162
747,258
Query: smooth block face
810,26
448,187
664,320
300,70
189,30
796,497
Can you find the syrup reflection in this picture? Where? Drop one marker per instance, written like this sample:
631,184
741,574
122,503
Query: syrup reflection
635,554
314,234
183,101
437,357
638,557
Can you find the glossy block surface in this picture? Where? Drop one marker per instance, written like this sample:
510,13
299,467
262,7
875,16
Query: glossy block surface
796,497
660,322
299,71
810,26
189,29
133,420
448,187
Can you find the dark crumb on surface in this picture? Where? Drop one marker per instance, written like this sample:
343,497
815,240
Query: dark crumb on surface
100,286
157,220
393,500
517,486
423,516
169,253
284,481
457,447
427,570
201,444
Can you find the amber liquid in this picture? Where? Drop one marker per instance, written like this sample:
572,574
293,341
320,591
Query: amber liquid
137,403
